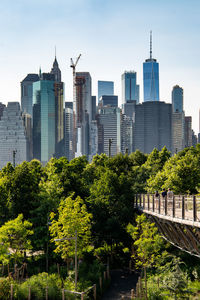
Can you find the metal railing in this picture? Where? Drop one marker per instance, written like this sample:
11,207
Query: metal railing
185,207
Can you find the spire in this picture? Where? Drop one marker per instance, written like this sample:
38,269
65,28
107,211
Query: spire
55,51
150,44
40,72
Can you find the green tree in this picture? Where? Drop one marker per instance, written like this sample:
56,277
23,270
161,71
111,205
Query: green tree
73,218
147,244
14,239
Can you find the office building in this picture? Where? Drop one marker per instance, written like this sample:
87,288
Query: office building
188,131
126,134
108,100
2,106
108,122
44,116
177,99
194,139
105,88
93,139
128,109
94,108
68,132
151,77
13,146
27,93
69,104
27,122
130,88
152,126
178,131
82,109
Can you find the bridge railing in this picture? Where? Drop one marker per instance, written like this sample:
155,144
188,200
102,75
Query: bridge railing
185,207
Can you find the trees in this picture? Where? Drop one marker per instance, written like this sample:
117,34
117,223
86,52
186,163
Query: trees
73,218
14,239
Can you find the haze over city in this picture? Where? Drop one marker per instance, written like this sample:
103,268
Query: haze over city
112,36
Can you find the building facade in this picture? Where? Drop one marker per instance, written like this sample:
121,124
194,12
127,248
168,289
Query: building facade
130,88
13,146
108,120
152,126
178,131
27,93
177,99
105,88
44,119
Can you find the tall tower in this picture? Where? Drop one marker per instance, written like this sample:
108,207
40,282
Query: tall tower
177,99
130,88
59,105
151,77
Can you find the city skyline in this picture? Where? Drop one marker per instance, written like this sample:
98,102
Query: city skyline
112,36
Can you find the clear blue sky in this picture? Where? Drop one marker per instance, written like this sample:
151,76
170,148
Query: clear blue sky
112,35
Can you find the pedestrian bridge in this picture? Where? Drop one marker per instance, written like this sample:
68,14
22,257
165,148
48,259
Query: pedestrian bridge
177,218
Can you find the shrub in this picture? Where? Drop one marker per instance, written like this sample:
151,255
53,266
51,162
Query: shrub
38,284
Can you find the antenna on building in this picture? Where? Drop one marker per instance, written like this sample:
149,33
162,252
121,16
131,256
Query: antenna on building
150,44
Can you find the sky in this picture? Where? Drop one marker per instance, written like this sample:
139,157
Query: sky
111,35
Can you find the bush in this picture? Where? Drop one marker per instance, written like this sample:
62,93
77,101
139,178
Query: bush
5,284
38,284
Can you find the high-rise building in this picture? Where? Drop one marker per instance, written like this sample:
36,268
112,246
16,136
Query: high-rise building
94,107
105,88
152,126
126,134
188,131
82,109
27,122
93,139
178,131
44,116
194,139
68,132
177,99
128,109
2,106
27,93
108,100
108,120
13,144
130,88
151,77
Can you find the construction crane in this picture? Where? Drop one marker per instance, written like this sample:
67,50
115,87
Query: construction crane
73,65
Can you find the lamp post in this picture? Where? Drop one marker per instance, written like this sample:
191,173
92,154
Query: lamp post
76,264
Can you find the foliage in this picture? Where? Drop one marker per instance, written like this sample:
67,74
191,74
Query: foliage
73,219
38,284
147,243
14,239
5,284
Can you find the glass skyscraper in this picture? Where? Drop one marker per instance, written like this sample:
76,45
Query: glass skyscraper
44,116
177,99
105,88
130,88
151,77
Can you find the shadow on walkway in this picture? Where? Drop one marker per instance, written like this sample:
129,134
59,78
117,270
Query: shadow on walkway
121,284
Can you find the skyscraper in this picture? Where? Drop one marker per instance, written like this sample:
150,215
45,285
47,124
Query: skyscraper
177,99
151,77
108,121
130,88
27,93
68,131
188,131
105,88
178,131
82,108
152,126
59,120
12,135
44,133
108,100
